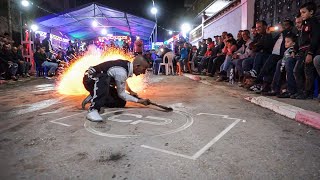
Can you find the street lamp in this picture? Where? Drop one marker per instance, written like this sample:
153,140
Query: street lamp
34,27
154,10
25,3
185,28
103,31
94,23
170,32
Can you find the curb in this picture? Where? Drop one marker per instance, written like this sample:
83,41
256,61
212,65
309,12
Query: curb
298,114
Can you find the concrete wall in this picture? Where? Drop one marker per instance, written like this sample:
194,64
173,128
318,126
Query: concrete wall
230,22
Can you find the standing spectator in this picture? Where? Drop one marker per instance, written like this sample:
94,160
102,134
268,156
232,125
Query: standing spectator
48,46
308,46
70,49
138,46
183,58
37,42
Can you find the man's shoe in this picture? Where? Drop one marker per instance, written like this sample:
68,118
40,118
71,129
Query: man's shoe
294,96
14,78
94,116
86,101
270,93
27,75
304,96
251,73
285,95
221,78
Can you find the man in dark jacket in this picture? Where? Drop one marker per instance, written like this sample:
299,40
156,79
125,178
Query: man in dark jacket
47,44
7,63
262,46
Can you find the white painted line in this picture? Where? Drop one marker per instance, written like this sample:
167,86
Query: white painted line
207,146
55,121
67,125
214,140
168,152
56,111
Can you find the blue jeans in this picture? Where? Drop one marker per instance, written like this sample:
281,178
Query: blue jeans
51,66
226,64
247,64
259,61
289,66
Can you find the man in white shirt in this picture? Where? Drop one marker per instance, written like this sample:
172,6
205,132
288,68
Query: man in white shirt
106,83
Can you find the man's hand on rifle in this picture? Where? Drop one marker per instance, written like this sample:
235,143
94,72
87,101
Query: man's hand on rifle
144,101
133,94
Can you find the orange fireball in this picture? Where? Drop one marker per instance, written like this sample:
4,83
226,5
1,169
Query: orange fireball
71,80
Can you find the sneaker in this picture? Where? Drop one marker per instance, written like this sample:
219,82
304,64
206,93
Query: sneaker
86,101
221,78
251,73
269,93
294,96
27,75
14,78
285,95
94,116
304,96
255,87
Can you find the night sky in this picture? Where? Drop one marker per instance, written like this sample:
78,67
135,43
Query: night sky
171,13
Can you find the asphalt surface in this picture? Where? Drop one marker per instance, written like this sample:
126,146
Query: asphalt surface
213,133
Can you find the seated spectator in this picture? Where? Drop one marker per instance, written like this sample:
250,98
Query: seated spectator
8,67
219,58
41,60
202,68
161,53
242,53
267,71
240,41
23,65
231,46
290,42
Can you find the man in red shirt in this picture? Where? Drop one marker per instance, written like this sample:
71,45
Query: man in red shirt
204,61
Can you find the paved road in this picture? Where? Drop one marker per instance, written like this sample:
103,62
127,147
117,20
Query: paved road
211,134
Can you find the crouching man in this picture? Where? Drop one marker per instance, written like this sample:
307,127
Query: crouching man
107,84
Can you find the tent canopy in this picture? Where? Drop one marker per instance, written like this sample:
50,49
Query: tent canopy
78,22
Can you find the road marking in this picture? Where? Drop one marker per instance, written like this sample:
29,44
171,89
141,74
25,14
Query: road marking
63,124
207,146
56,111
168,152
188,123
215,139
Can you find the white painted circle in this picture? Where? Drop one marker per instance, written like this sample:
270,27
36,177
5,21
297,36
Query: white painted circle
188,123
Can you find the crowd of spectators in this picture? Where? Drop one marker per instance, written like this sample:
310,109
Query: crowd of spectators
282,61
12,63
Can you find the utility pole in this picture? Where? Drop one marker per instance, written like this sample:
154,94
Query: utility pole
9,19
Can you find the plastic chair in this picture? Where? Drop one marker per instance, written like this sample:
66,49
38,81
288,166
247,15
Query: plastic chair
169,65
41,71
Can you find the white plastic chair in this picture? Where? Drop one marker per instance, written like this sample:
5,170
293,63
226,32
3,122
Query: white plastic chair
169,65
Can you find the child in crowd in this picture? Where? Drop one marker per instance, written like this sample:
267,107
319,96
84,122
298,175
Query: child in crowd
231,47
183,58
308,46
